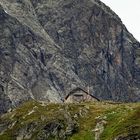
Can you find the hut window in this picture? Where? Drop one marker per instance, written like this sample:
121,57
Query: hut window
78,95
78,98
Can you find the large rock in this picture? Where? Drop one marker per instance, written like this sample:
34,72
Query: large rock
47,48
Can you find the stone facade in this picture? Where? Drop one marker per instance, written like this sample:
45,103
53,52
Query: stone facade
79,95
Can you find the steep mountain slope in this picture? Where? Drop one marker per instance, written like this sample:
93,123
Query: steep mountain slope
85,121
47,48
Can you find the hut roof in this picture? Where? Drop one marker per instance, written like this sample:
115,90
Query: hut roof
78,89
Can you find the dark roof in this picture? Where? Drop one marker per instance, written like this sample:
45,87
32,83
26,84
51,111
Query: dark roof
78,89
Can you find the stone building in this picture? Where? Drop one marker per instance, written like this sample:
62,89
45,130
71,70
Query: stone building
78,95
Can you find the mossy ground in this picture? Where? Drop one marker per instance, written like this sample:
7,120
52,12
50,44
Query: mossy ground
122,119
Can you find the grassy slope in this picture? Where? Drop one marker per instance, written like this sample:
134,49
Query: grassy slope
122,119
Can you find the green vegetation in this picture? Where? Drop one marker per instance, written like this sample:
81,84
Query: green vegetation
39,121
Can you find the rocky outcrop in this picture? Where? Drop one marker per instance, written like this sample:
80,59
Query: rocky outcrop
99,128
129,137
47,48
95,120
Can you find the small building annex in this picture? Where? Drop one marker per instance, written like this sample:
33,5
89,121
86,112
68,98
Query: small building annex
78,95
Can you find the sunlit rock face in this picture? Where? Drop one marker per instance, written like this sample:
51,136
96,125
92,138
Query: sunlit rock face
48,48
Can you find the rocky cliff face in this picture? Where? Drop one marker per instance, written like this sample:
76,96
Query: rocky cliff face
47,48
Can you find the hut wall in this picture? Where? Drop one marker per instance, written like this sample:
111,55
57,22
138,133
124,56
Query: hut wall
78,97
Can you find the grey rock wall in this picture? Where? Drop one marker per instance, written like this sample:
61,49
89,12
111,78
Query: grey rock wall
47,48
